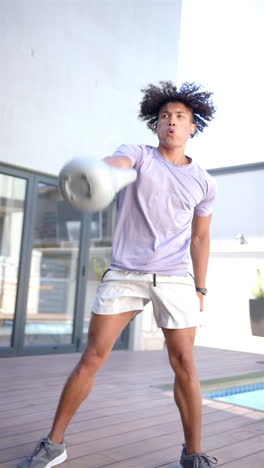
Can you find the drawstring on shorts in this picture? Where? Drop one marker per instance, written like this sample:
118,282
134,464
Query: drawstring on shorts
154,277
108,269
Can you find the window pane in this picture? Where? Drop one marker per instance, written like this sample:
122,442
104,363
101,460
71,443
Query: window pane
52,286
12,199
99,257
239,198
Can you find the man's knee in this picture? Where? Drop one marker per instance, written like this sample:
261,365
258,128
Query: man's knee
92,359
182,363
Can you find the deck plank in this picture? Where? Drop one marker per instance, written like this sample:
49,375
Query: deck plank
129,420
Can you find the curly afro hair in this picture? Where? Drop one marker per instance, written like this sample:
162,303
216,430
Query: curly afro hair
189,94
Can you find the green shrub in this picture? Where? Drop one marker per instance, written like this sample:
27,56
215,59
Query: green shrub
258,291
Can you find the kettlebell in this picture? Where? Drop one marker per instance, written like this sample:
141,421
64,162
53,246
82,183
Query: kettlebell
89,184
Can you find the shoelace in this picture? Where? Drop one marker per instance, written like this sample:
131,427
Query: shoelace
41,444
203,457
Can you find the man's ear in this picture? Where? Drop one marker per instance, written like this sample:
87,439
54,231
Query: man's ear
193,128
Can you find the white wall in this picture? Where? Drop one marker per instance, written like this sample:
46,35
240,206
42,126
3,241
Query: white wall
71,71
221,47
231,277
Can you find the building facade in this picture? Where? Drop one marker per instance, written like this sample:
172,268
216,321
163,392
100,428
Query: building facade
70,86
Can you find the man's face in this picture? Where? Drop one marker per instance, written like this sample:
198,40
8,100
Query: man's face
175,124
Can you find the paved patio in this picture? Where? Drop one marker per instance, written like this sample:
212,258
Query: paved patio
128,421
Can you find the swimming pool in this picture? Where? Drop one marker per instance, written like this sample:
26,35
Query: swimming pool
250,396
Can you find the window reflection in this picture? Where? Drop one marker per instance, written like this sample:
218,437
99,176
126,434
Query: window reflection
12,198
52,286
99,255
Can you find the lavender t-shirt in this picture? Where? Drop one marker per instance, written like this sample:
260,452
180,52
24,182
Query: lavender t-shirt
154,214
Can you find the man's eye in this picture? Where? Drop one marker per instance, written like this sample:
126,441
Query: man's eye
164,116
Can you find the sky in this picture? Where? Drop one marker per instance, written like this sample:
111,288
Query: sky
221,47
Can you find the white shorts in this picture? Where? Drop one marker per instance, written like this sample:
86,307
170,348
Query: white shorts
174,299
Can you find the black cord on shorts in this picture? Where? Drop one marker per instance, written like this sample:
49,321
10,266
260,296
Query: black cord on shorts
105,274
154,279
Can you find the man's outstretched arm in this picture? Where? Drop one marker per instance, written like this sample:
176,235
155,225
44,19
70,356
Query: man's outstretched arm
122,162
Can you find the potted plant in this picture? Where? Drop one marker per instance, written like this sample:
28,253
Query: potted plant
256,306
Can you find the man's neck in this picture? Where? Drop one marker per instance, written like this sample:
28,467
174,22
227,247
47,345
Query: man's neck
175,156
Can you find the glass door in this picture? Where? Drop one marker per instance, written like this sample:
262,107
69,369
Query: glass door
53,271
51,260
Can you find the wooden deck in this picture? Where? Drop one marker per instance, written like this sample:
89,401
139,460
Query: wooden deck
128,421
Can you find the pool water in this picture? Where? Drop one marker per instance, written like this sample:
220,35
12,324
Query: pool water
250,396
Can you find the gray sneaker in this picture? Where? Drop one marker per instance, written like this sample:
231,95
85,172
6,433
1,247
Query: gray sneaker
196,460
45,455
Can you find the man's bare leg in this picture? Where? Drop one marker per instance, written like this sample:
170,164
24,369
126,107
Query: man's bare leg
103,332
187,387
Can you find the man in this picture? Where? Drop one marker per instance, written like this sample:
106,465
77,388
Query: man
162,219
